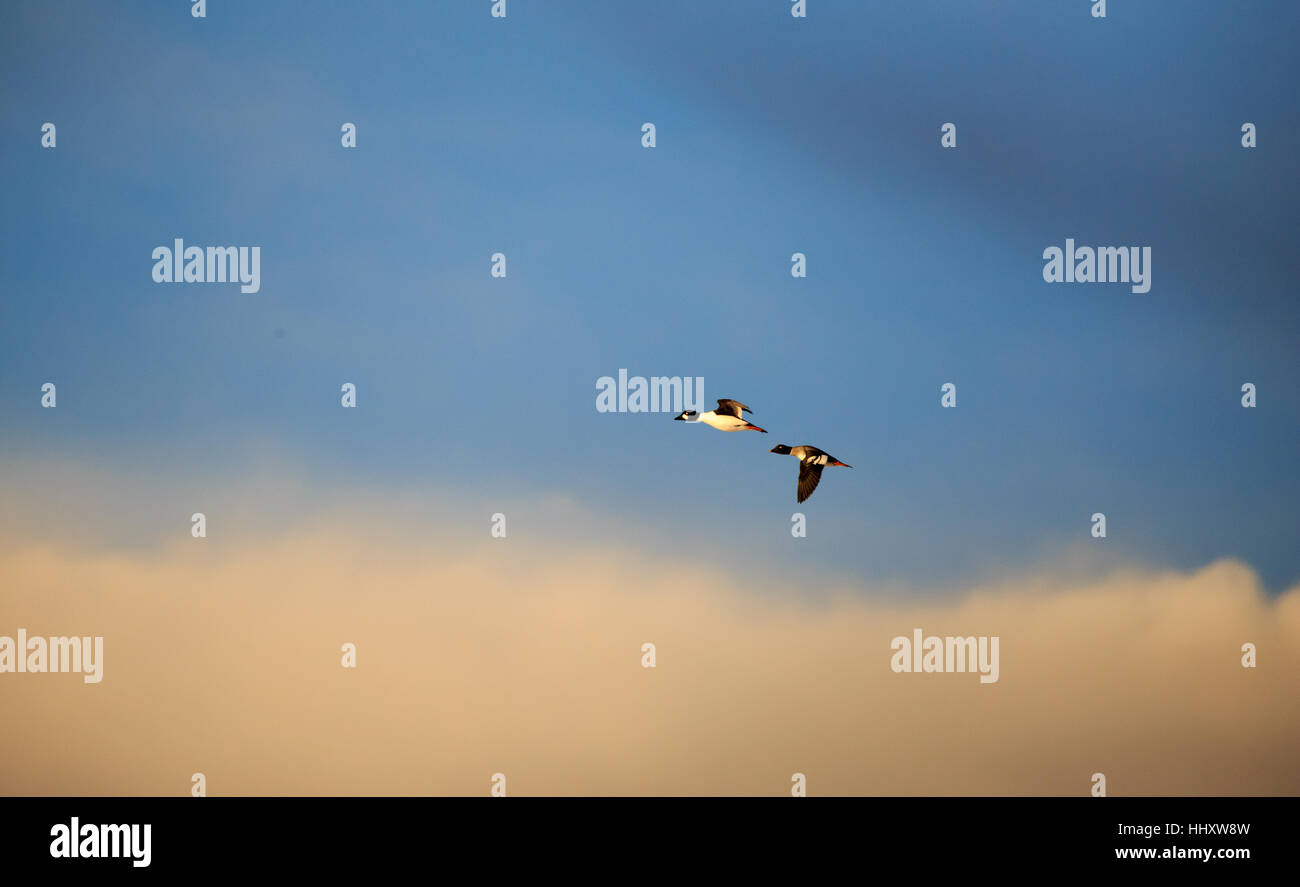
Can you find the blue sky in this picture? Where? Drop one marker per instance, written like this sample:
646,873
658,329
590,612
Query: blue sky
774,136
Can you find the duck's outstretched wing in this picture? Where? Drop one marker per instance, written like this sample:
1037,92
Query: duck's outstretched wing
809,476
729,407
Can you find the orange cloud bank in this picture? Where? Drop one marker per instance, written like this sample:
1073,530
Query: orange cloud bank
505,658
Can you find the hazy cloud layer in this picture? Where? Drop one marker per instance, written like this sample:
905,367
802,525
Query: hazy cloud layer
524,658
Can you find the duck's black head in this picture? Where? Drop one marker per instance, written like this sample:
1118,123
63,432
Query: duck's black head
780,450
689,414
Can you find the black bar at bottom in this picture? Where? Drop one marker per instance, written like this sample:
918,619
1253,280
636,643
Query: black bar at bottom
333,836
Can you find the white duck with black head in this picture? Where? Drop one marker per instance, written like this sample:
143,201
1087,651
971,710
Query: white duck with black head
727,417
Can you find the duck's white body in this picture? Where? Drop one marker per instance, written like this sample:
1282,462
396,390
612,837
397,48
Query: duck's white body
722,423
803,455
